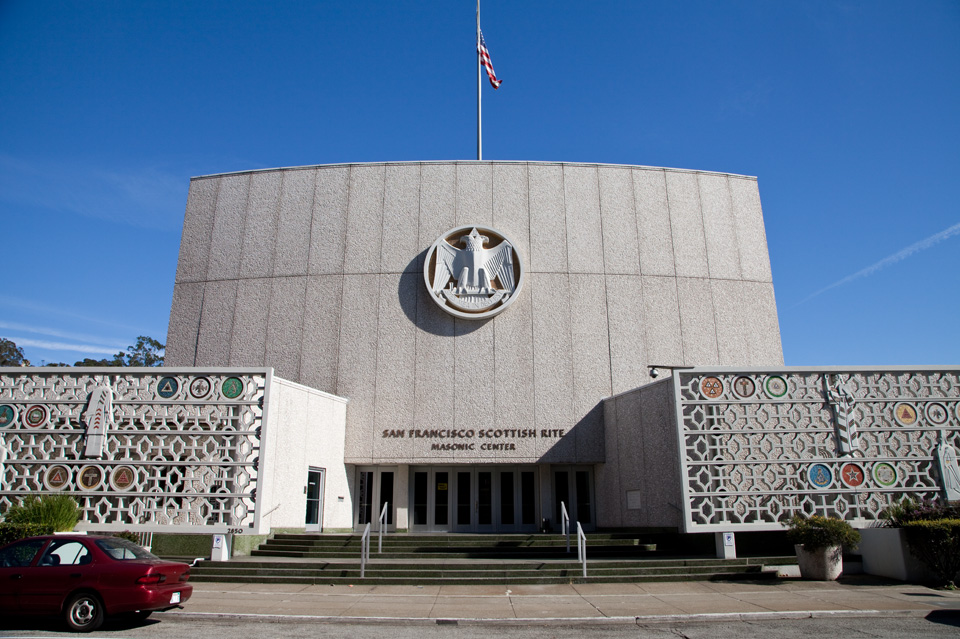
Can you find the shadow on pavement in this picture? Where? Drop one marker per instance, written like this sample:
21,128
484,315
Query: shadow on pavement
945,617
49,623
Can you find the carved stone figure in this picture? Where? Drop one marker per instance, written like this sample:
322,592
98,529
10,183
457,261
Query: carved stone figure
473,282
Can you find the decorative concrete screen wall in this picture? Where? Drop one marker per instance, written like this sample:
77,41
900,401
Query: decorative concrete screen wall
149,449
757,446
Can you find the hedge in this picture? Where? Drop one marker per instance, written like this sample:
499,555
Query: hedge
13,532
936,543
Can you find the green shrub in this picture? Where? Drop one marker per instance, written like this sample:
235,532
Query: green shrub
899,513
817,532
59,511
937,544
13,532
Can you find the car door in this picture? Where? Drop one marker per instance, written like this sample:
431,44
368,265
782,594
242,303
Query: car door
15,562
63,566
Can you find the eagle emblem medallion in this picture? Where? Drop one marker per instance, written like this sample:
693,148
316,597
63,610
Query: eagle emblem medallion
473,272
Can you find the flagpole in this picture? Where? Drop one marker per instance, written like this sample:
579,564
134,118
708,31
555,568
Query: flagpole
479,87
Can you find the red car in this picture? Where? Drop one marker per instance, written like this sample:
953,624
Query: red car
85,578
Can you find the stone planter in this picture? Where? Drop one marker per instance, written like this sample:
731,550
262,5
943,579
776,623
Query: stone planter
824,564
885,554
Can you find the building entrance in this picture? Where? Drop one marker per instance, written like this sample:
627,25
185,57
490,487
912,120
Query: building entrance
474,499
374,491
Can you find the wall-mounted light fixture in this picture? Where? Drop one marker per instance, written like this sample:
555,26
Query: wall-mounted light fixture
655,372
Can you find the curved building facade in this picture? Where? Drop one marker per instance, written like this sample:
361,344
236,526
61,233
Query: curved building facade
318,272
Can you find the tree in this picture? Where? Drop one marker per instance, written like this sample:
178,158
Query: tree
116,361
11,354
146,352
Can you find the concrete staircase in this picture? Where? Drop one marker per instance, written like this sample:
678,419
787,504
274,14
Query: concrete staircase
473,559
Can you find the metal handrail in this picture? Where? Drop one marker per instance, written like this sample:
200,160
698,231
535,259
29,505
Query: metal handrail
565,523
364,550
582,548
383,524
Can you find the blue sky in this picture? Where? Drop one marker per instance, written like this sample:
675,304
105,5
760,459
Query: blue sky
847,112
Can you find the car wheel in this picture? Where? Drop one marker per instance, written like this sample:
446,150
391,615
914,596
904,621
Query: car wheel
84,612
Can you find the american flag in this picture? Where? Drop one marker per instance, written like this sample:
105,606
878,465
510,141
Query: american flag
485,60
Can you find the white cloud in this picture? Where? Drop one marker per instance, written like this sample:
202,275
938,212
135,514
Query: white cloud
63,346
12,302
139,196
110,343
902,254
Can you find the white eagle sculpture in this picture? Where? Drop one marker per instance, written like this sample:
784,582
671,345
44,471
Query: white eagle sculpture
473,279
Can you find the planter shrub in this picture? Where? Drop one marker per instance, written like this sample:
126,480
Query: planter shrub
816,532
937,544
58,511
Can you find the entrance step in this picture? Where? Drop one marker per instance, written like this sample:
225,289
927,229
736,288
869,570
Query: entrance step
472,559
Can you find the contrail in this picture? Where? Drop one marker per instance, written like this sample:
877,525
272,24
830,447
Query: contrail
887,261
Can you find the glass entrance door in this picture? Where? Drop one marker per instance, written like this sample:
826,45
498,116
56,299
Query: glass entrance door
573,486
485,499
314,514
374,491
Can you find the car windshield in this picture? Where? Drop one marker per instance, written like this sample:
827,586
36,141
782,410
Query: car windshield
122,549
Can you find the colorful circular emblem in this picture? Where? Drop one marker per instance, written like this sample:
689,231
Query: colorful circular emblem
167,387
775,386
231,387
90,477
200,387
905,414
36,416
936,413
8,415
885,474
56,477
744,387
852,475
820,476
473,272
123,478
711,387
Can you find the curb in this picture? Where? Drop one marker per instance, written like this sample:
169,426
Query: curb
526,621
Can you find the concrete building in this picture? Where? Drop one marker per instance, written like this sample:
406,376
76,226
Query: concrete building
460,422
476,347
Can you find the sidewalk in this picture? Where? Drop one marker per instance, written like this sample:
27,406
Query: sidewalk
580,603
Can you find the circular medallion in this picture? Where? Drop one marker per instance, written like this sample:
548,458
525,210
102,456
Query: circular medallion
936,413
744,387
200,387
123,478
851,474
231,387
775,386
36,416
56,477
473,272
905,414
90,477
167,387
711,387
8,415
820,476
885,474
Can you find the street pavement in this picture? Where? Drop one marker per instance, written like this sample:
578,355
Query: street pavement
855,596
